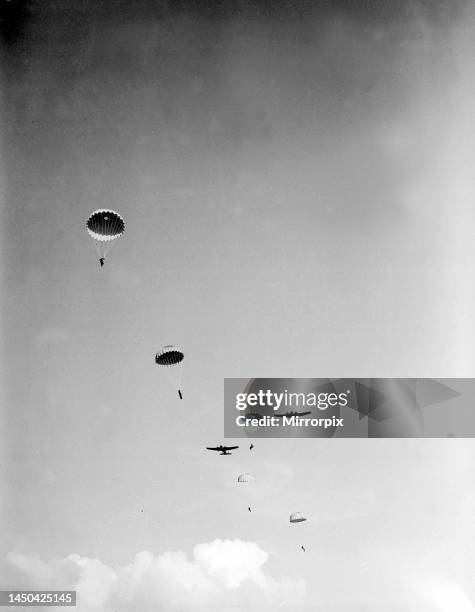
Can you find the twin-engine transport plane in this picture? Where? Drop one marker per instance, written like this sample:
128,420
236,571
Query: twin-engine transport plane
222,450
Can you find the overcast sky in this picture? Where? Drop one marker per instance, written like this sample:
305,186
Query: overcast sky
297,184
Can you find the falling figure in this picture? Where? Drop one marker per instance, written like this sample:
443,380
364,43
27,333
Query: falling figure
249,508
252,446
102,260
303,548
180,394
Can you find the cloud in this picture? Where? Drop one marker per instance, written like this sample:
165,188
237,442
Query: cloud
223,574
232,561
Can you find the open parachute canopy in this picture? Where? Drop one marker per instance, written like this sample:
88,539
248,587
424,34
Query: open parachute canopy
297,517
245,478
169,356
172,358
104,226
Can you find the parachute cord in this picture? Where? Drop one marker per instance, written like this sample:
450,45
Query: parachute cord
100,252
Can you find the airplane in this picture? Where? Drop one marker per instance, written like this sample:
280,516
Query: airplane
223,450
293,414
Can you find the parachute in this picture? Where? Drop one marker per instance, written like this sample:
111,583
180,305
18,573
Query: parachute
297,517
248,491
104,226
171,358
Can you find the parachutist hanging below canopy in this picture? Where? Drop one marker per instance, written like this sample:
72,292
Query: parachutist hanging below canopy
104,226
298,517
171,358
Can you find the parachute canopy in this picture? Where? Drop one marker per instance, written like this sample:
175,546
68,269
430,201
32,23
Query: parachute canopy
297,517
245,478
169,356
105,225
172,358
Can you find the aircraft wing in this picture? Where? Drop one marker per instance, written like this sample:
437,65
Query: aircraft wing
213,448
231,447
304,413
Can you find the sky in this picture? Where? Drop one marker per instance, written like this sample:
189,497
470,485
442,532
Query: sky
297,185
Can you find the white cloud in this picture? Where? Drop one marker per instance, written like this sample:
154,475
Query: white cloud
232,561
224,574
